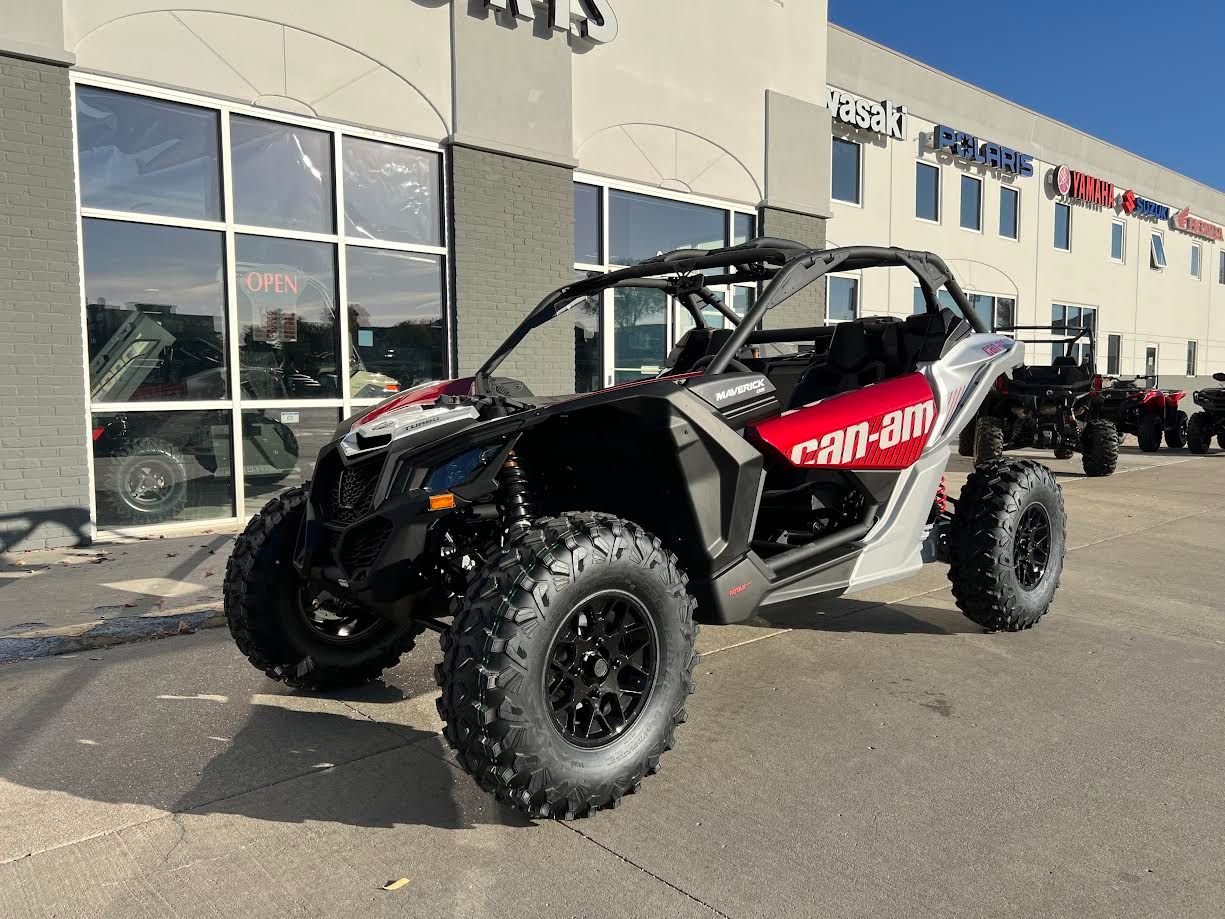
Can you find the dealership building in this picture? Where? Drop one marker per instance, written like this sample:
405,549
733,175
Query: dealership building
187,197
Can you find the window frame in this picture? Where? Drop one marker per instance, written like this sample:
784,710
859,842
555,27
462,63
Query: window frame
1221,267
961,187
1122,259
1197,261
939,192
857,278
230,229
1157,261
1016,212
1080,310
1067,209
859,163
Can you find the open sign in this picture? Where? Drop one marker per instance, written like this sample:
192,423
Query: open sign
272,282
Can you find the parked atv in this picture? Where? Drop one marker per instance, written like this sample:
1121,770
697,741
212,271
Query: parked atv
1145,411
1209,420
1049,407
566,546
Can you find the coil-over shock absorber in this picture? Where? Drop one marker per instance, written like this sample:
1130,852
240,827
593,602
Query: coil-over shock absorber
516,498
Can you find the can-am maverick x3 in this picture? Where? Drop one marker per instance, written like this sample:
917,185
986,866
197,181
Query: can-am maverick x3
576,540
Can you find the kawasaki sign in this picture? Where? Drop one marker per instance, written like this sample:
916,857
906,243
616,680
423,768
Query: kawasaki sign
593,20
881,117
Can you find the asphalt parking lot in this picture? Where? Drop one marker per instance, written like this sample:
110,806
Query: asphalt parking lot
881,757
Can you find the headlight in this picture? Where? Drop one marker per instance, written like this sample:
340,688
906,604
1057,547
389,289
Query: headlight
460,469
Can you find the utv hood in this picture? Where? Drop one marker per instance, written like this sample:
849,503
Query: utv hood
416,398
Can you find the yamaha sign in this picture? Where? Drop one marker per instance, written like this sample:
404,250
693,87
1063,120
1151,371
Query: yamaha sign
882,117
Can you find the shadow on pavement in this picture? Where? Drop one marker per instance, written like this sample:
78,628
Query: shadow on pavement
847,614
17,527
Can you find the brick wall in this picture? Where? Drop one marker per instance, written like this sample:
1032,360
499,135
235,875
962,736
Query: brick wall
44,499
807,308
513,235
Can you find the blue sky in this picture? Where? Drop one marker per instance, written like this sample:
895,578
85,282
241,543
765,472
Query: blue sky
1148,77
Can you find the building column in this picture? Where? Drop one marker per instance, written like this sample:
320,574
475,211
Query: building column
44,465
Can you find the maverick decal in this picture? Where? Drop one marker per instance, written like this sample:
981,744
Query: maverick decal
756,386
968,147
882,117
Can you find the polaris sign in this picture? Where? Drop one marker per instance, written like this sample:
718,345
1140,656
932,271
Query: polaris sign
881,117
968,147
593,20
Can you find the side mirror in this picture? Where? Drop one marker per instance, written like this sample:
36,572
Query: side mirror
1219,377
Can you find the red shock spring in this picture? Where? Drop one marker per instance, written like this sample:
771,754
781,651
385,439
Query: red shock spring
941,498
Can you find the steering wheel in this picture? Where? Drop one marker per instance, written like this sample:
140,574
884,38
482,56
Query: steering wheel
703,362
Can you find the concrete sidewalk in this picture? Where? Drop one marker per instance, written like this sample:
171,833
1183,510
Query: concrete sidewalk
58,600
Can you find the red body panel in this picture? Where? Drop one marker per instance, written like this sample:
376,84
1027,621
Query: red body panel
426,392
882,426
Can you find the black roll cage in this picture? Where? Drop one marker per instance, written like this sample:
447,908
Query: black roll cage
1056,338
788,266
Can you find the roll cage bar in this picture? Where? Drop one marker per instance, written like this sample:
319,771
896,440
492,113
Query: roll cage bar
1056,338
788,266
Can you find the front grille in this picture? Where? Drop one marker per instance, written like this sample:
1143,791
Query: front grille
346,494
1213,399
363,545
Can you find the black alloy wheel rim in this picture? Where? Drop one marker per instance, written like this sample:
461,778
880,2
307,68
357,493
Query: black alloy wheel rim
149,484
602,665
333,620
1031,547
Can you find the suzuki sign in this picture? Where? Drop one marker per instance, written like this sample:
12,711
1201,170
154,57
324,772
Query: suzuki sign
593,20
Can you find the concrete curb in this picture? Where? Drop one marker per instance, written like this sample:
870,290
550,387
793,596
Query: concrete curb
89,636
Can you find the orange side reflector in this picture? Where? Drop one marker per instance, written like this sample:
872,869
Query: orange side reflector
442,502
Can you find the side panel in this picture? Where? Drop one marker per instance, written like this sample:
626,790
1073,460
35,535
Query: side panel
882,426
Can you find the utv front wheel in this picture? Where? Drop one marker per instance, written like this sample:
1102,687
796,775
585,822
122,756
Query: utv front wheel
568,665
1007,544
1149,435
988,441
1099,446
1199,433
303,638
965,440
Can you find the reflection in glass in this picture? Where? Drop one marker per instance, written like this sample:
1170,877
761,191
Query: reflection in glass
927,192
640,333
148,156
282,175
279,448
156,467
843,298
587,358
391,192
396,335
1005,312
287,320
154,312
984,306
971,203
587,225
845,167
744,228
642,227
1063,226
943,298
1008,212
1116,241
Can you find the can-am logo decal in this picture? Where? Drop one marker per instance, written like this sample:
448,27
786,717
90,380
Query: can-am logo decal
968,147
851,444
882,117
593,20
754,387
1196,226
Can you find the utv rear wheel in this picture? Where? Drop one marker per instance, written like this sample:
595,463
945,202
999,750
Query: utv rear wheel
1199,433
965,441
305,639
1063,451
1149,435
1007,544
988,441
568,665
1176,432
1099,447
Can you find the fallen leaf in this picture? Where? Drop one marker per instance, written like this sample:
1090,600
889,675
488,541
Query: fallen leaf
396,885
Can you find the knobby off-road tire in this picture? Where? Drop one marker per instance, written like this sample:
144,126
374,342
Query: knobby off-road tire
145,482
988,440
504,667
1176,431
995,553
1149,435
1063,451
1099,447
1199,433
965,440
274,624
1220,441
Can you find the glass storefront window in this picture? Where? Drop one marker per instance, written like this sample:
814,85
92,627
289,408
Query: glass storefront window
159,467
587,356
927,192
844,170
154,312
744,228
396,334
640,329
282,175
287,321
279,447
842,301
148,156
641,226
391,192
587,225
